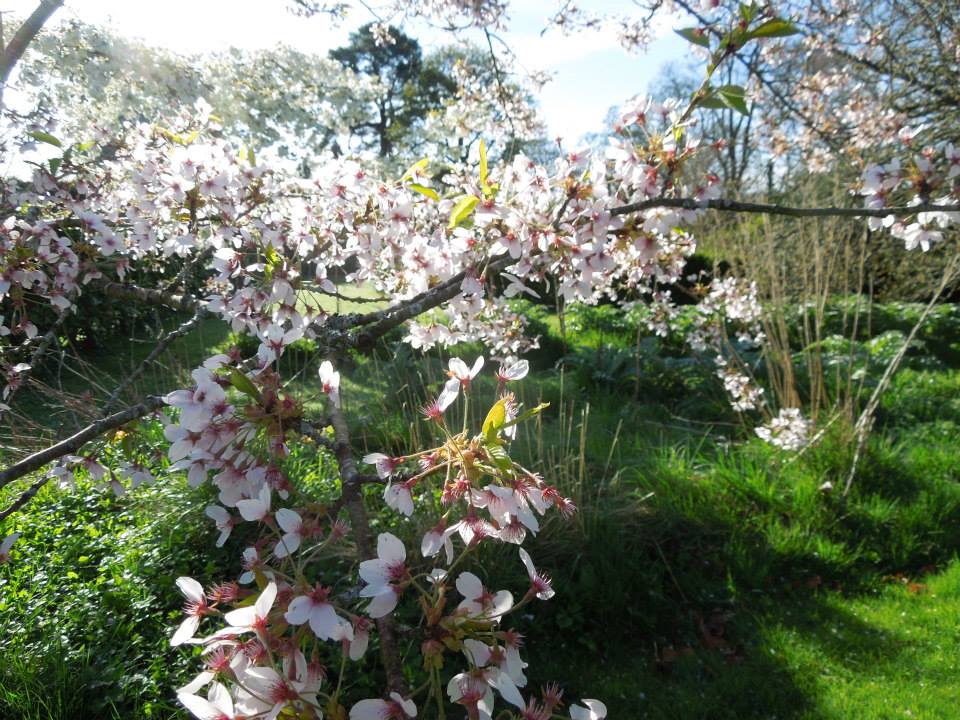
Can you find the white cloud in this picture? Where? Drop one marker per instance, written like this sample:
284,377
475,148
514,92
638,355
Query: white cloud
544,52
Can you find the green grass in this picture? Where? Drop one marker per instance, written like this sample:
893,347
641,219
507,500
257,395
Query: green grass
812,655
706,576
87,603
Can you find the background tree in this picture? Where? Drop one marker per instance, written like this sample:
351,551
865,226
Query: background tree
407,88
493,102
282,101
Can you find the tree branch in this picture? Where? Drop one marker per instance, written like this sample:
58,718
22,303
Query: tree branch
770,209
22,38
352,494
162,345
77,440
185,303
383,321
25,497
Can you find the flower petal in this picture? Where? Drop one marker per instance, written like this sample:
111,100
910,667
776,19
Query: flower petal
390,549
191,588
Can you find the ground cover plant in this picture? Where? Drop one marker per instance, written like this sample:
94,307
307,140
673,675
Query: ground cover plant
736,565
365,477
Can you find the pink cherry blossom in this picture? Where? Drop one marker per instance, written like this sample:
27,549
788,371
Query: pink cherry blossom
539,583
315,608
258,508
439,538
196,607
397,496
382,574
330,382
292,525
218,705
253,618
594,710
385,464
512,371
5,546
396,708
224,522
479,601
460,372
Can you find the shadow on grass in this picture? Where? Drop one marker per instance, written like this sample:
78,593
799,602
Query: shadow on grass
722,586
639,677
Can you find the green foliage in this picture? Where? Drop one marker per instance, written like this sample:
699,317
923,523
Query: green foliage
87,606
700,560
409,87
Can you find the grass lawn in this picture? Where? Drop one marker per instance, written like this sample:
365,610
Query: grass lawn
706,576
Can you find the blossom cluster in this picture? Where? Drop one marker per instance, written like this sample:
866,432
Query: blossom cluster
282,627
270,243
789,430
930,175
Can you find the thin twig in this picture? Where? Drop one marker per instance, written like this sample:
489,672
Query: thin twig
158,350
865,421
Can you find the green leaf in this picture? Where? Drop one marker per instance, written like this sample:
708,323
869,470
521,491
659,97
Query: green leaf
697,36
500,457
424,190
417,167
483,164
272,258
733,97
747,12
55,165
527,414
44,137
712,102
246,155
244,384
495,419
461,211
774,28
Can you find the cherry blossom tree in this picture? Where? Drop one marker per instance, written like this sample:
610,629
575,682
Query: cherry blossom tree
448,251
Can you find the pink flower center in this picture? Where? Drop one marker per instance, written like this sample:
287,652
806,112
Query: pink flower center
396,571
281,692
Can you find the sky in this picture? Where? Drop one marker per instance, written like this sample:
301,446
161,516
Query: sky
591,73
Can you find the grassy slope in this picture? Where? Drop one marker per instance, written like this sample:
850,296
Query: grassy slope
701,579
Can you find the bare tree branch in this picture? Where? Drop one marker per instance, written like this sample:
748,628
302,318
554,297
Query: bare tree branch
22,38
771,209
383,321
25,497
120,291
352,494
77,440
162,345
